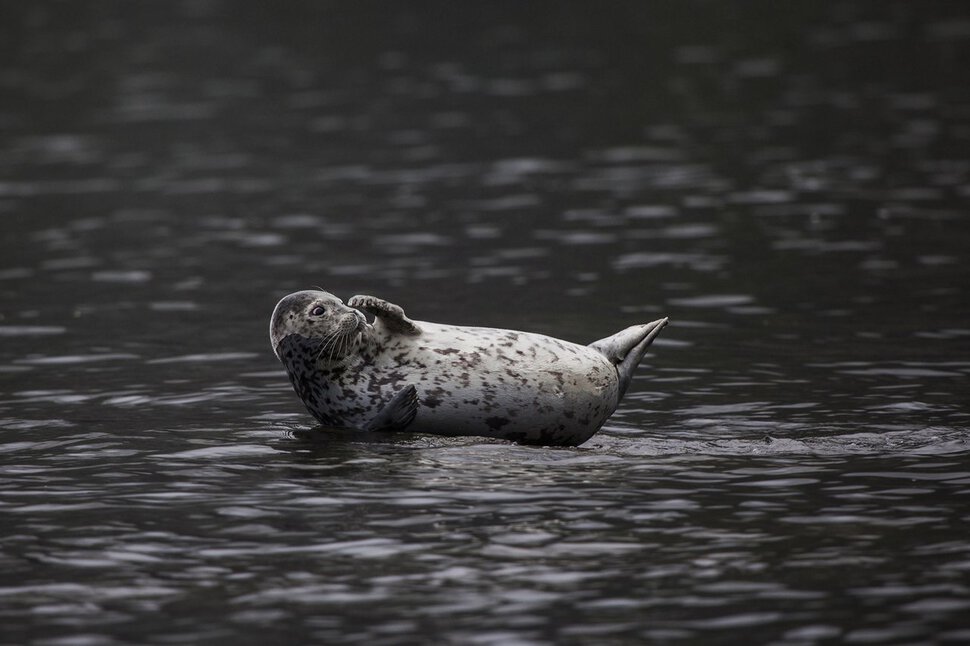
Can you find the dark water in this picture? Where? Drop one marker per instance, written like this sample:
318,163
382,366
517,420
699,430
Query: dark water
789,182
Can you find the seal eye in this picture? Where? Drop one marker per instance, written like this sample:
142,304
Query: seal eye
317,311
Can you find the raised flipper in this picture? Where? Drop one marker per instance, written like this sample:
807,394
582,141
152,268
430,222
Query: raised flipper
625,348
390,315
398,413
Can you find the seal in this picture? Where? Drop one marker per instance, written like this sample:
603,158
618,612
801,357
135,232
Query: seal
397,374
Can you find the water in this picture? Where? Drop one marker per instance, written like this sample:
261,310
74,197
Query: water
790,185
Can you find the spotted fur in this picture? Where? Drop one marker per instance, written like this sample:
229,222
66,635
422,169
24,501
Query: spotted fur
506,384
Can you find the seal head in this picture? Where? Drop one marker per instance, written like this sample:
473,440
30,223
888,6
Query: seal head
319,317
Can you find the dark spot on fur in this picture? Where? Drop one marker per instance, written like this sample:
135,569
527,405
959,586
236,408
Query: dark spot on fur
496,423
433,398
470,360
447,351
558,375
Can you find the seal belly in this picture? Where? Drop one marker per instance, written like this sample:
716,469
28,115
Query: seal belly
499,383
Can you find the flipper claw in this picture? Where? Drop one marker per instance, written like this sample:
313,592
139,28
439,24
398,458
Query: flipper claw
390,315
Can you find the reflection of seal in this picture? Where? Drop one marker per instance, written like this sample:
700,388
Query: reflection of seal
445,379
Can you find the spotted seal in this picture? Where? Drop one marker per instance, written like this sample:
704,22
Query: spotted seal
397,374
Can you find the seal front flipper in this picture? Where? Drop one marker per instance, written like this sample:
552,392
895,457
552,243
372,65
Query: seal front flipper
390,315
398,413
625,349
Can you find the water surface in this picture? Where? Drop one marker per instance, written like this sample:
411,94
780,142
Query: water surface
790,185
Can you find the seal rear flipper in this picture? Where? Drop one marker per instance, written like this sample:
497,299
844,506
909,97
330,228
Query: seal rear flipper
626,348
390,315
398,413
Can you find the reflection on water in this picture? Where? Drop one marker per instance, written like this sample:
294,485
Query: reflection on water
789,186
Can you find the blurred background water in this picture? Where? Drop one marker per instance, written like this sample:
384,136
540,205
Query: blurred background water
788,182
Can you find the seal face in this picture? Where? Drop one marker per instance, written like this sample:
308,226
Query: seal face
398,374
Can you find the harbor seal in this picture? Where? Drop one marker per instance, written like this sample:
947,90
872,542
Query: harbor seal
399,374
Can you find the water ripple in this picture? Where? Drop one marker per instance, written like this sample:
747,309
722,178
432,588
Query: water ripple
789,466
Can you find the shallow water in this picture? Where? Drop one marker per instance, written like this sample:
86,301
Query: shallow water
791,465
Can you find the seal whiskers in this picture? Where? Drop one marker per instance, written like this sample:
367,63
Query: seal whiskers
340,342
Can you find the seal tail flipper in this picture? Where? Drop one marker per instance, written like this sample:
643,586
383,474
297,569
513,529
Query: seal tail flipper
398,413
626,348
